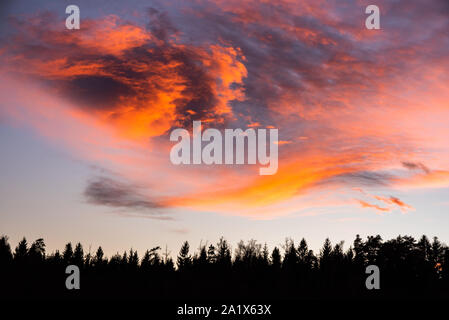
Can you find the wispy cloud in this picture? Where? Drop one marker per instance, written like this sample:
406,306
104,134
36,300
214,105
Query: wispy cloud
109,192
365,204
390,202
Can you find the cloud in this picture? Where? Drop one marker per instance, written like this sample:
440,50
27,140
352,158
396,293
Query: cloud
391,202
180,230
432,179
394,201
140,81
348,102
363,178
398,202
415,166
365,204
108,192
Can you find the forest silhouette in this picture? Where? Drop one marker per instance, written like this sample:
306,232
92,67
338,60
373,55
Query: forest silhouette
409,268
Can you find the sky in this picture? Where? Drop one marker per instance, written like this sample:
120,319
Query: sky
86,116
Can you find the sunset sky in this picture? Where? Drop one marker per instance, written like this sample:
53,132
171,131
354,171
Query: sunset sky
86,115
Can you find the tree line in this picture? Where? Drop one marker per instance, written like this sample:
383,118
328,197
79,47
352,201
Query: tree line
408,268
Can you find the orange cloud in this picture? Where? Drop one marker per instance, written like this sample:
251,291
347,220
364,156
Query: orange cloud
351,107
432,179
129,78
365,204
393,200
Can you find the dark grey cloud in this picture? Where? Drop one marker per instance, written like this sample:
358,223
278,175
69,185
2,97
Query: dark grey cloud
362,178
112,193
99,92
160,24
415,166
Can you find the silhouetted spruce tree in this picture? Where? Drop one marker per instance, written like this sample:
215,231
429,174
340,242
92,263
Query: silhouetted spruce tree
303,251
78,255
67,254
211,254
306,257
304,263
265,256
239,254
337,255
337,264
88,260
325,254
98,260
21,251
133,260
436,251
349,256
276,258
5,251
146,262
55,258
184,259
325,265
200,259
359,254
223,254
115,262
124,260
169,266
290,255
424,248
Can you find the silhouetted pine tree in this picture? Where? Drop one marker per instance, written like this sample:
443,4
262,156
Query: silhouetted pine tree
371,248
37,251
115,262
